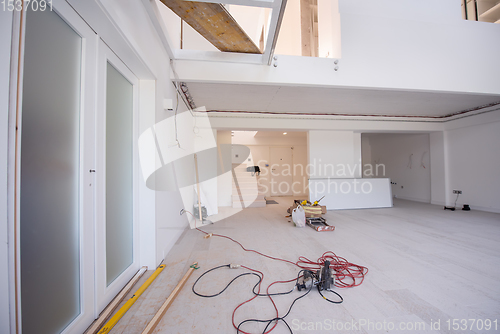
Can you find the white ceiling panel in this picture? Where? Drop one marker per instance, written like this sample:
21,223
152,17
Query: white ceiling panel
343,101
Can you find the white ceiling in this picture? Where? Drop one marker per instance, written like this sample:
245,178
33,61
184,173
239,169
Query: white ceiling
343,101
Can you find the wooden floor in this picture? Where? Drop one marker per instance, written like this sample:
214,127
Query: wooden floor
427,267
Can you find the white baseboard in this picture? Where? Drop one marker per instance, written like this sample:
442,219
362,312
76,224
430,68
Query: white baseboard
413,199
472,207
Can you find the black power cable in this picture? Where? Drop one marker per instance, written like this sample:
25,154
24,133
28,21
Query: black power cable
329,300
270,321
234,279
277,319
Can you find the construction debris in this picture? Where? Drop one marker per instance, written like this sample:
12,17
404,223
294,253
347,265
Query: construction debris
313,213
319,224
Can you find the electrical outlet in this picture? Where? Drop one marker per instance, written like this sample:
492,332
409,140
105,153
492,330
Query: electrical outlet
457,192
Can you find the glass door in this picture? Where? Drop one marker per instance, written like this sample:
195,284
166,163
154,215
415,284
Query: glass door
55,154
116,256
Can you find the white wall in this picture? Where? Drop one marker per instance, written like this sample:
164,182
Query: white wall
172,24
473,165
334,154
5,46
252,20
394,151
438,168
224,171
205,142
134,22
366,152
329,29
260,155
192,40
289,38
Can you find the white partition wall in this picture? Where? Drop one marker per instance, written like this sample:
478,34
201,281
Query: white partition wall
352,193
335,172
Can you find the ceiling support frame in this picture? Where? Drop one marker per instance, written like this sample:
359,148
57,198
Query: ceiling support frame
278,10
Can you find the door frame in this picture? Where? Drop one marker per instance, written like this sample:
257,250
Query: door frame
86,193
105,294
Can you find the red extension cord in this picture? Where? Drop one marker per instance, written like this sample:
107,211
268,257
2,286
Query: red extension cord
347,274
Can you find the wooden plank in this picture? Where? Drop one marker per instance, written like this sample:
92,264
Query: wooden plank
115,302
163,309
305,27
214,23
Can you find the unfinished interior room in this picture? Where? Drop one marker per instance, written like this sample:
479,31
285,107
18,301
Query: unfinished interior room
249,166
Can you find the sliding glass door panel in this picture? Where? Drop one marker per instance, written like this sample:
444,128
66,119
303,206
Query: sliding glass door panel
119,174
50,174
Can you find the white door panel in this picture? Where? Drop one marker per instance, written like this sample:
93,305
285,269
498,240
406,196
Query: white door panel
116,223
56,154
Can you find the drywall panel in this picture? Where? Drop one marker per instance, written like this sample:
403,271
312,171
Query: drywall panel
350,193
404,158
225,177
473,163
5,45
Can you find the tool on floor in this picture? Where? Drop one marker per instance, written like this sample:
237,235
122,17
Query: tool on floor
306,281
94,328
121,312
325,275
163,309
319,200
319,224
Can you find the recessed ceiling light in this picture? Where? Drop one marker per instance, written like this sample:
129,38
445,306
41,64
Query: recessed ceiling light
284,133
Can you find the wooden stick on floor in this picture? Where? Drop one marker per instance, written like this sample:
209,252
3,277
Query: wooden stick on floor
114,304
161,312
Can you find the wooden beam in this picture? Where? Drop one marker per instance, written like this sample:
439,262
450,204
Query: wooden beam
250,3
115,302
161,312
306,27
214,23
